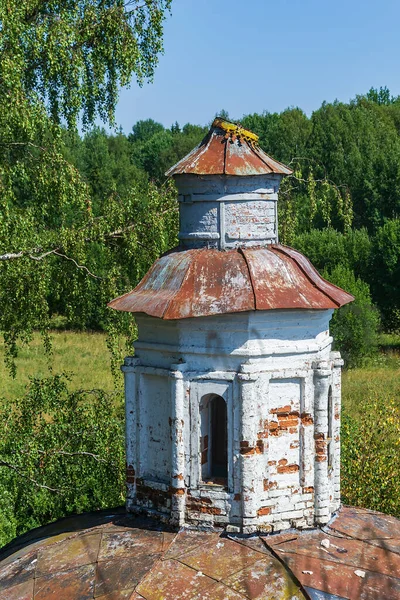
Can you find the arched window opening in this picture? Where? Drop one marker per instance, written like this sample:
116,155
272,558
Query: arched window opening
214,439
330,432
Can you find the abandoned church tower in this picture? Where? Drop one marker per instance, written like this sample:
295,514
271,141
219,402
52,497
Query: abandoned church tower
233,395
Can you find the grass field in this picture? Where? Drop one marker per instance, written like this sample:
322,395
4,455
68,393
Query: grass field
379,378
87,357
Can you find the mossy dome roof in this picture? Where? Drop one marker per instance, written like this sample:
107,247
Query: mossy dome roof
115,556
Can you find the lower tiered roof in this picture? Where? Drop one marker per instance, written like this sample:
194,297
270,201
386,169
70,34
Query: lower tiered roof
205,281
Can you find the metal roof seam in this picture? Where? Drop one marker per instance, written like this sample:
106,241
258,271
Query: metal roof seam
260,153
240,251
328,283
225,151
185,277
282,251
255,150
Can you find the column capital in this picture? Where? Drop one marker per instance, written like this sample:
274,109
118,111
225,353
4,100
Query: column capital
177,370
322,368
130,364
336,359
248,373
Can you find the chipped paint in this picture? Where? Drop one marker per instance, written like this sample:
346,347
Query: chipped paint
232,314
204,282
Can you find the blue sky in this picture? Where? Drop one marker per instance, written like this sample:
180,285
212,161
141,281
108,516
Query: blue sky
255,55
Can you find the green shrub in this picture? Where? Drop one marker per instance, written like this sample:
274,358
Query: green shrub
385,280
328,248
370,456
61,452
355,326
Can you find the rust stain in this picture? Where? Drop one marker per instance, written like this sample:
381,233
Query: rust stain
112,554
204,282
228,149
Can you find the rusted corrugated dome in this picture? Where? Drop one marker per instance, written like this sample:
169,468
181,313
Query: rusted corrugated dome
116,556
204,282
228,149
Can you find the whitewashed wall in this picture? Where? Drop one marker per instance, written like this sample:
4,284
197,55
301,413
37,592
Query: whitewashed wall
225,212
274,370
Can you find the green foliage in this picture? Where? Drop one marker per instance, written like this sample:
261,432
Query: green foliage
354,327
66,245
155,149
385,281
60,452
74,55
328,248
370,467
357,145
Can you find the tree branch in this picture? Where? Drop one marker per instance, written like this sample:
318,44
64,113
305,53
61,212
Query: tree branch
4,463
78,266
78,453
56,251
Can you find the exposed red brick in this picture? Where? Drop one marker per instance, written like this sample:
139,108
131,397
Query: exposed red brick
271,463
265,510
294,445
282,461
269,485
306,419
319,436
210,510
308,490
130,474
320,458
320,446
205,500
286,421
179,477
158,497
293,430
237,497
247,451
284,410
259,447
288,468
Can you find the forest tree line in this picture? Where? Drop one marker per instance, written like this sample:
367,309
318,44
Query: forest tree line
340,208
82,218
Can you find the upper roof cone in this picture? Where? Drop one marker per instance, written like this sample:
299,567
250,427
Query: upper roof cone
228,149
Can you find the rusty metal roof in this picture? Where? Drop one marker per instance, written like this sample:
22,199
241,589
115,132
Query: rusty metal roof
204,282
228,149
111,555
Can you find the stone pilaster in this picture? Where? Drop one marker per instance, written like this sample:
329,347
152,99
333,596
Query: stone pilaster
322,380
129,371
250,449
337,364
178,449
